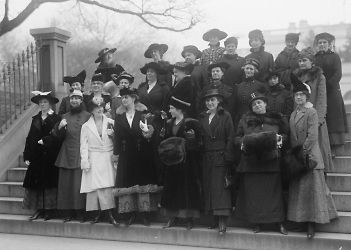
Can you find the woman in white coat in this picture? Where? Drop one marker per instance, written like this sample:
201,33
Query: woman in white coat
96,148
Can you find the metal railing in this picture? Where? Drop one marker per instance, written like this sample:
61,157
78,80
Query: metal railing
17,80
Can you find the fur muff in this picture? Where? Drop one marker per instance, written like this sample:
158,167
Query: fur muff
172,151
260,143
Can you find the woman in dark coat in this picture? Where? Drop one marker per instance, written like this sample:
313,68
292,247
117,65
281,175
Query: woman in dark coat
256,41
331,64
261,134
181,186
310,200
217,127
75,82
245,88
133,153
39,155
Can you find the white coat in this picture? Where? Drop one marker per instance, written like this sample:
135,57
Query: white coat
96,152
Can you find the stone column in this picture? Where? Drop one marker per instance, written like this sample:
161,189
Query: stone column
52,58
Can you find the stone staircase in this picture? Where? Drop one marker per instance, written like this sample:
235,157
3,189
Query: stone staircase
336,235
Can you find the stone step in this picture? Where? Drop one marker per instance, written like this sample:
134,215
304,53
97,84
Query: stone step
342,164
340,225
339,182
11,189
343,150
342,201
16,174
13,205
236,238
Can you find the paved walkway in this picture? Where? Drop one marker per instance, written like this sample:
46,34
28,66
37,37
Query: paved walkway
32,242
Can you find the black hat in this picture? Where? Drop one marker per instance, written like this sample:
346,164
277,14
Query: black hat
128,91
299,86
184,66
172,151
78,78
43,95
272,73
294,37
104,52
257,96
98,78
152,65
95,103
123,75
223,65
252,61
256,34
192,49
214,33
213,92
231,40
327,36
178,103
162,48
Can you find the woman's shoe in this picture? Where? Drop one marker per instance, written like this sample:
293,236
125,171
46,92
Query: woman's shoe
257,228
282,229
96,219
146,221
112,219
189,224
36,215
171,222
310,230
222,226
131,220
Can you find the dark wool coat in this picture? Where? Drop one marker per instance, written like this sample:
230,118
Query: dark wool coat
156,98
42,172
285,63
266,63
216,153
167,76
135,164
280,100
199,77
336,115
254,123
65,106
181,184
234,74
108,70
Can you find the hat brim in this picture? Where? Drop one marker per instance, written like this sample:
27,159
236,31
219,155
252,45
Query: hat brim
216,65
157,69
197,53
37,98
218,33
160,47
212,95
263,98
113,50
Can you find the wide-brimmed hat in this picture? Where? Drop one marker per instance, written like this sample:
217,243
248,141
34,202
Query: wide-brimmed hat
178,103
192,49
38,95
252,61
257,96
162,48
76,92
128,91
152,65
184,66
307,53
78,78
299,86
231,40
214,33
123,75
104,52
223,65
256,34
294,37
98,78
325,35
213,92
172,151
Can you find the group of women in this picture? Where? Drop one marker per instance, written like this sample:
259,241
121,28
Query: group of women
211,138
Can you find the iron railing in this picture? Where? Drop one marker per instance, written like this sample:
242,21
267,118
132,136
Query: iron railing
17,80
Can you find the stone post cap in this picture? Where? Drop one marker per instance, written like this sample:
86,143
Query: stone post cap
50,33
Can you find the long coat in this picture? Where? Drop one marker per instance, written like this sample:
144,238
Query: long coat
316,80
181,184
42,172
266,63
154,100
96,155
336,115
217,152
234,74
136,163
280,100
286,63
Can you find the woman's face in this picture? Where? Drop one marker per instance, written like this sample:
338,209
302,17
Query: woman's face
259,106
300,98
96,86
323,45
290,44
174,111
178,74
123,83
256,43
274,80
189,57
230,48
249,70
44,104
151,75
77,86
156,55
212,103
98,111
127,100
217,73
214,40
107,59
305,63
75,101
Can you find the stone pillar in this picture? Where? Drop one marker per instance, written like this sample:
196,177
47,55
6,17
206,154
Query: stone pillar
52,58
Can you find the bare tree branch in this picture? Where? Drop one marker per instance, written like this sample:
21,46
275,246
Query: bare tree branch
6,14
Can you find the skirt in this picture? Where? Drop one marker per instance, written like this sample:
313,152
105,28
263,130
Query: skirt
40,198
260,198
101,199
310,199
68,191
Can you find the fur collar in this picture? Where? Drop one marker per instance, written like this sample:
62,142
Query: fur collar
271,118
220,111
313,73
138,107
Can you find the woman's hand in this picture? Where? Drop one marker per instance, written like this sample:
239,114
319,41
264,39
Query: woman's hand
163,115
109,131
27,162
114,158
62,124
41,142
